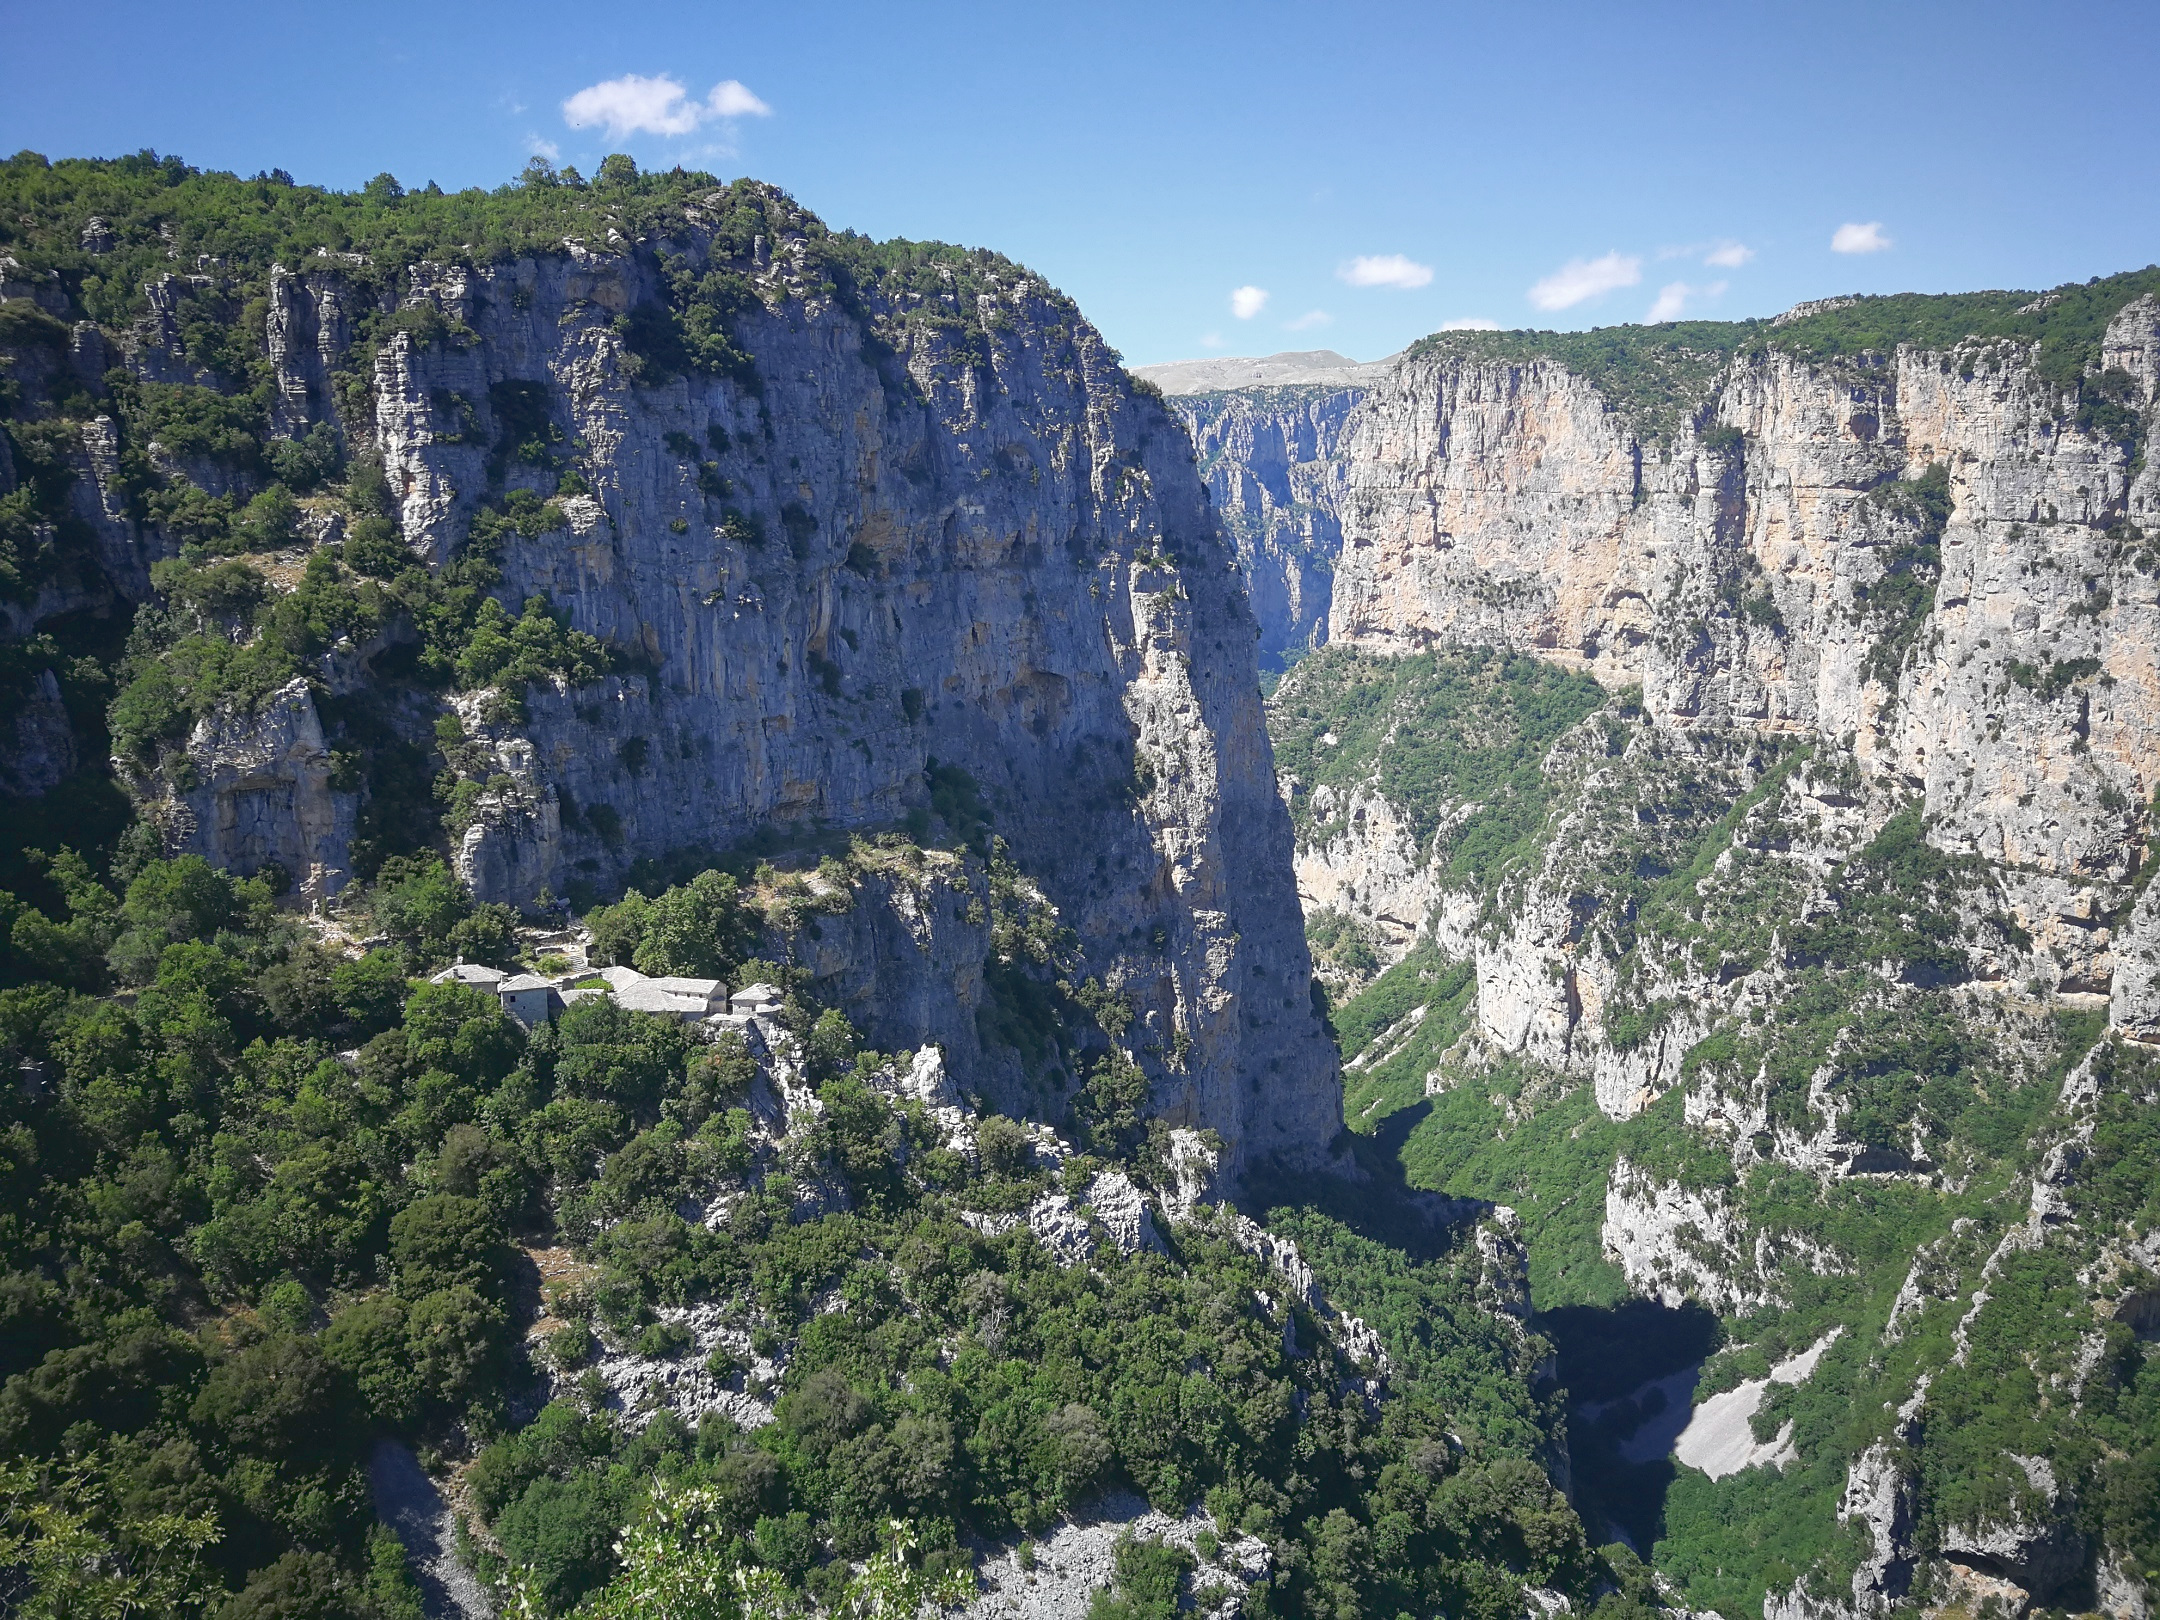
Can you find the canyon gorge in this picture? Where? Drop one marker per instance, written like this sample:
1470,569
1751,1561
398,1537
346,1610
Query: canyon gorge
1516,980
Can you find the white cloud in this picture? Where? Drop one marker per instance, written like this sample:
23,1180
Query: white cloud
1308,320
1470,323
1211,340
731,98
1851,238
1385,270
1246,302
636,105
546,149
1728,255
1586,278
1671,300
1674,297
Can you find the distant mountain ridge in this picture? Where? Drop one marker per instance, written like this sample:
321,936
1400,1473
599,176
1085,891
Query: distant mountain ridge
1293,368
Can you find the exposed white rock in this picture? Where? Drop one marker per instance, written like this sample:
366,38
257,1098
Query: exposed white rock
1076,1559
1720,1438
1676,1244
686,1384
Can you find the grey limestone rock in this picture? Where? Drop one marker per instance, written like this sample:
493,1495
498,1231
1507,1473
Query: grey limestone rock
1008,569
42,748
256,790
1271,458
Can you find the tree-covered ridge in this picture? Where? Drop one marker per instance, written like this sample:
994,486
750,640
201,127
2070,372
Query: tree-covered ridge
1659,377
270,1200
2067,323
157,215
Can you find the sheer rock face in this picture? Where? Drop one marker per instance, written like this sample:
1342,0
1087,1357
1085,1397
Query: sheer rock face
1271,459
257,793
40,747
1729,574
872,561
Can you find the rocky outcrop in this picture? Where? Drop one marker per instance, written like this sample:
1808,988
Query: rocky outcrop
874,559
253,791
2036,1546
1676,1243
41,749
1367,866
1072,1562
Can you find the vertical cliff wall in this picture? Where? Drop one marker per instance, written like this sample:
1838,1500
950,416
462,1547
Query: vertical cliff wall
1271,459
851,527
1934,558
1729,783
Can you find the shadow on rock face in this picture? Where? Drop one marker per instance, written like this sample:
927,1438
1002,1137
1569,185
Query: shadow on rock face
1629,1371
408,1502
1364,1188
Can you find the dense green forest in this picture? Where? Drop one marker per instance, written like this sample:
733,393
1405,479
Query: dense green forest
268,1203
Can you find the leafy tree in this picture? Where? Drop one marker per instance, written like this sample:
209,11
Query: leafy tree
367,1343
1149,1576
561,1534
455,1338
73,1550
700,929
446,1241
276,1397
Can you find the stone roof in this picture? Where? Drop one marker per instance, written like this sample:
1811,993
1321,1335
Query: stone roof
472,973
524,981
676,986
649,997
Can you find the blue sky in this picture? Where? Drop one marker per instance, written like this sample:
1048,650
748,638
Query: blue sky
1374,170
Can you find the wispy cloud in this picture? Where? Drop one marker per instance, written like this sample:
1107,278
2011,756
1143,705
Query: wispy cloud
1851,238
1307,321
1671,300
1384,270
1211,340
636,105
541,148
1721,254
1674,297
1470,323
1246,302
1579,279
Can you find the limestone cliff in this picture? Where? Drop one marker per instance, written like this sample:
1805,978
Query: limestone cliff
914,528
1737,747
1273,466
1774,568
